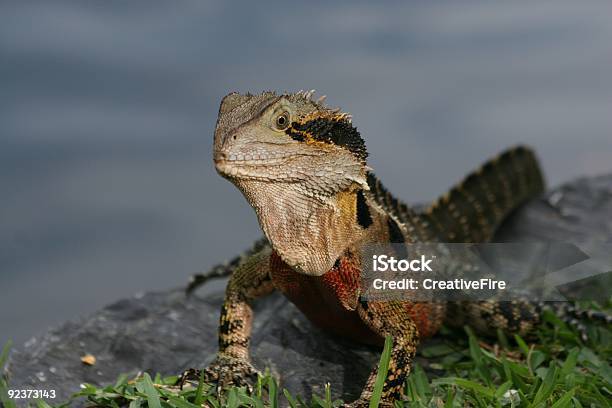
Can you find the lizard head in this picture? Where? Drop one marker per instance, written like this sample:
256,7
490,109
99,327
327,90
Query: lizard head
287,138
299,163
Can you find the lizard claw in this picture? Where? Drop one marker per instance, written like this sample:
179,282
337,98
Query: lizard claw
225,371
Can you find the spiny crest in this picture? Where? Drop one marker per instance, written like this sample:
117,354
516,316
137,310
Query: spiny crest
303,99
307,97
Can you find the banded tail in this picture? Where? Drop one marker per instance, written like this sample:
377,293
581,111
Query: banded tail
472,210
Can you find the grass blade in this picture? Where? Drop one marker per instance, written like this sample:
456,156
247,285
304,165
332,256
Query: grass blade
150,392
546,388
467,384
328,400
4,354
292,402
383,367
273,392
134,404
199,396
4,399
180,402
564,401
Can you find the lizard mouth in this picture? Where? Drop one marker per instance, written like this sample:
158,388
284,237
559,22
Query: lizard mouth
247,165
223,160
250,160
264,165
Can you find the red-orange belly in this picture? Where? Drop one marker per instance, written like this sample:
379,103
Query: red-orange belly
329,301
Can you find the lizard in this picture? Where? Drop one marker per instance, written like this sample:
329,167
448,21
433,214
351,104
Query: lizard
302,166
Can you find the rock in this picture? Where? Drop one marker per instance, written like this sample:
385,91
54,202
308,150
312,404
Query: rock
167,332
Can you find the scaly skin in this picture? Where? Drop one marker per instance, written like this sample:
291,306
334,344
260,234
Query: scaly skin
302,167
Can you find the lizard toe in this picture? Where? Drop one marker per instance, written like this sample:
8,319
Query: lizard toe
225,372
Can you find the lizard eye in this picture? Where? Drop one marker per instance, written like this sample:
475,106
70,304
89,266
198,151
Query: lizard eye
282,121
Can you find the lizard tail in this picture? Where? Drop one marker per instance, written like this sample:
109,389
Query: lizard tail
521,316
589,314
472,210
575,317
224,269
218,271
568,312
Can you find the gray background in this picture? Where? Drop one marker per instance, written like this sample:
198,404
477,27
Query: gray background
107,110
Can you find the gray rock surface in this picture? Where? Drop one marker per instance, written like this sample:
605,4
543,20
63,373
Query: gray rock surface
167,332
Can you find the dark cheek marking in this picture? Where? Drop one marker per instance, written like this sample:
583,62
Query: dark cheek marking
396,237
364,218
295,135
338,132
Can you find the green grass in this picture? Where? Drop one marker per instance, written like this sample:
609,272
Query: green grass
4,399
555,369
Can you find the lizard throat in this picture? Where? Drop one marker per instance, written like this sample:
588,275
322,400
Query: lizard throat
308,233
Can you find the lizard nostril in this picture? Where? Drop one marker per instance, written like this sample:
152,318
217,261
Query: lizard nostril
234,137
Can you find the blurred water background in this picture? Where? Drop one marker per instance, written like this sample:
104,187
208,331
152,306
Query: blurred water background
107,111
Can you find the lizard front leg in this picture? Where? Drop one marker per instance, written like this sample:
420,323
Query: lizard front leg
232,365
390,319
